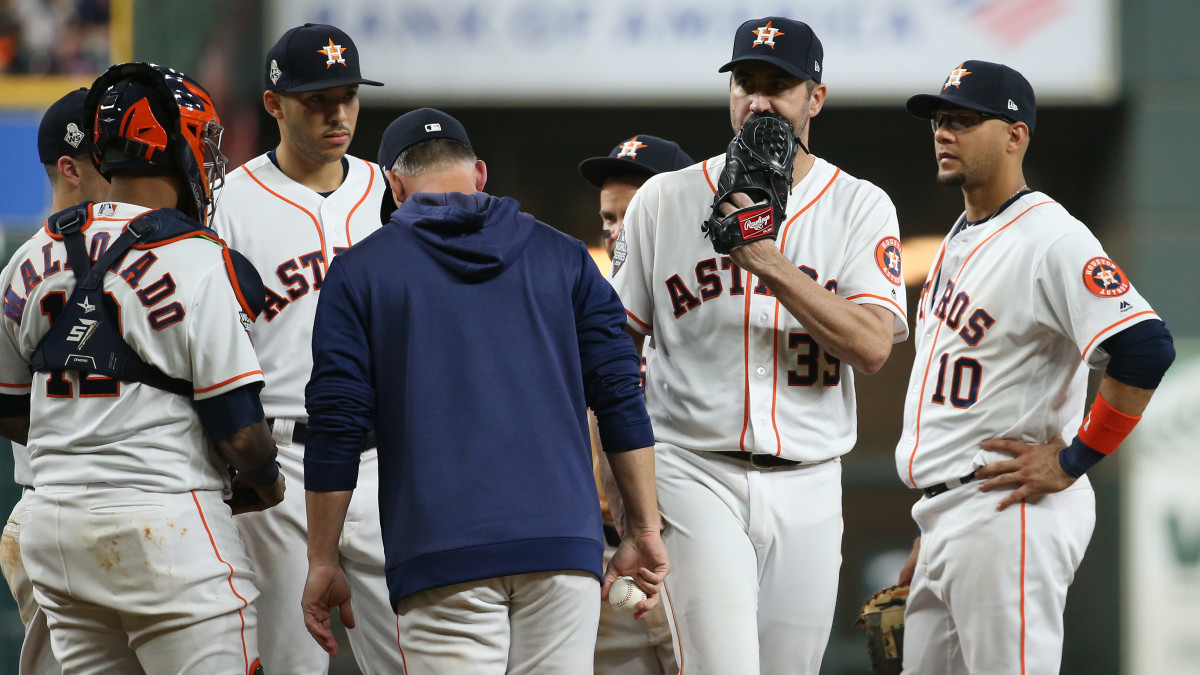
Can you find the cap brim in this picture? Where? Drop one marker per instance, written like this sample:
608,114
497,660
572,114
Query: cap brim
924,105
786,66
330,84
599,169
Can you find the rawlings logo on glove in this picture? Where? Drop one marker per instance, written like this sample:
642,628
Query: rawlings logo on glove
758,164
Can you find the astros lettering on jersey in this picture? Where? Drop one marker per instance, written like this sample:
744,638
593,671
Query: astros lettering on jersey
1008,321
297,232
781,386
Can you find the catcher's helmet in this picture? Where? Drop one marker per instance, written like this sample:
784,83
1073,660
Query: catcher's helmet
141,115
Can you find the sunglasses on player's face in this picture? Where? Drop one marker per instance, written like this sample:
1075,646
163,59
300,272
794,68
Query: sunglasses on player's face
960,120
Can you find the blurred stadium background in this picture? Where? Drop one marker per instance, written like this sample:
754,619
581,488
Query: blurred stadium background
543,84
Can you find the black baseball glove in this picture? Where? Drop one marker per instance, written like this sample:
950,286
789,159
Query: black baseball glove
758,163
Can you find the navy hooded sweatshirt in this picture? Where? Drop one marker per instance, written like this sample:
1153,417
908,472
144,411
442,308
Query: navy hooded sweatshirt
471,338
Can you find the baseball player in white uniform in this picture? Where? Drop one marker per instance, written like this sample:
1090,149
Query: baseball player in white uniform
1021,302
67,158
624,645
751,383
134,557
290,211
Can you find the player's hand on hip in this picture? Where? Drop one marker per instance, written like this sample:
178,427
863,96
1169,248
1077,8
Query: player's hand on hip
1033,471
325,588
643,556
272,494
248,497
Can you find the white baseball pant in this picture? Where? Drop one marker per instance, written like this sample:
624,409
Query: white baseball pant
277,543
141,582
755,555
37,657
990,586
544,622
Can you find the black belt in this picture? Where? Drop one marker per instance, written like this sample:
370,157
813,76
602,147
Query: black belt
611,536
935,490
761,460
300,434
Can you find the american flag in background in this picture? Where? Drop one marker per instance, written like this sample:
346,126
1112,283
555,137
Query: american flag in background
1014,21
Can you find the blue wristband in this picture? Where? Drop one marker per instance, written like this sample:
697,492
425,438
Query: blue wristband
1077,458
263,475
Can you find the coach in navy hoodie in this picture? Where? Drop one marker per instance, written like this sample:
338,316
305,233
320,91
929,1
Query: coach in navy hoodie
471,338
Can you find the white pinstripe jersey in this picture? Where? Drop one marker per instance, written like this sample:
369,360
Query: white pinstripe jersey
1021,305
731,368
177,310
291,234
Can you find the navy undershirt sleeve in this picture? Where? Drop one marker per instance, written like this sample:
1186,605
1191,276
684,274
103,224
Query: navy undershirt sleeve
1140,355
223,415
14,405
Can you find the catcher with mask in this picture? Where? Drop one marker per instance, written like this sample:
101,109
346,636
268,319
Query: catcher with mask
758,333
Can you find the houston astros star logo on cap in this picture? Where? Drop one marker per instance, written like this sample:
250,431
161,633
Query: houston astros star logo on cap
766,36
630,147
956,77
333,53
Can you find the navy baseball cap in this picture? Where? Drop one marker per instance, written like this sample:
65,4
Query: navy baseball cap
311,57
413,127
61,130
984,87
786,43
641,155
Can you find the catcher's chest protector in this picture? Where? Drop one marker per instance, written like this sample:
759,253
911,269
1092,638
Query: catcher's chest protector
85,335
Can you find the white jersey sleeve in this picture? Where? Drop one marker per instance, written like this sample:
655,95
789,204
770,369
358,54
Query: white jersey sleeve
634,251
1086,296
873,274
217,337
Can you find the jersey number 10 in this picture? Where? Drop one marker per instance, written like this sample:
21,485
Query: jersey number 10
966,370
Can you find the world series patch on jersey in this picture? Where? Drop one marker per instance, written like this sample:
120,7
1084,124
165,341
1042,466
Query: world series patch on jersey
751,377
1009,320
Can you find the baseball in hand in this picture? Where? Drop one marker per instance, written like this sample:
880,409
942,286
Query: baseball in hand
625,595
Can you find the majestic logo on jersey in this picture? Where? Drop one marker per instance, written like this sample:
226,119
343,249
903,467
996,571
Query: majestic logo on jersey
106,209
74,135
887,257
955,77
246,322
333,54
758,223
630,147
82,332
86,305
620,250
1104,279
766,36
275,73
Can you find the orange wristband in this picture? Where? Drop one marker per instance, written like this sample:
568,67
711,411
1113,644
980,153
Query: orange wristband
1105,427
